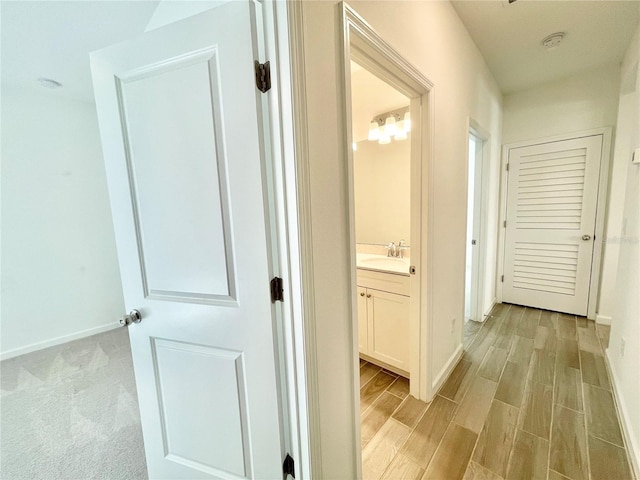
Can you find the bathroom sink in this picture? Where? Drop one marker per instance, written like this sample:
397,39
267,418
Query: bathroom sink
382,263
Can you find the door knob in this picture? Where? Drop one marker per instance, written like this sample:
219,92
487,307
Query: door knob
368,295
362,294
133,317
586,237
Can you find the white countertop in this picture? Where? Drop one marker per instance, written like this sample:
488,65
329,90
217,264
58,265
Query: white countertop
382,263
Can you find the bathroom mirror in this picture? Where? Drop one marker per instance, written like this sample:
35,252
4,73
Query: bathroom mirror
382,187
381,160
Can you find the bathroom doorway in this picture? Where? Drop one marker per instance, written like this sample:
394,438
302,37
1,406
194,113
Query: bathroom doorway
476,251
474,226
381,134
388,144
391,310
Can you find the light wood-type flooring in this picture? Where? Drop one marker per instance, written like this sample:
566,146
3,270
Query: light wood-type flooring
530,399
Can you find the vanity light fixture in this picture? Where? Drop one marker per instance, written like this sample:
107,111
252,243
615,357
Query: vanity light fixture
395,124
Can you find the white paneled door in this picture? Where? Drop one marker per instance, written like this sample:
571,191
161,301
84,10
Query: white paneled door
551,210
180,121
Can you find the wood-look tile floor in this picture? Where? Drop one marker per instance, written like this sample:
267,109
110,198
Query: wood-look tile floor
530,399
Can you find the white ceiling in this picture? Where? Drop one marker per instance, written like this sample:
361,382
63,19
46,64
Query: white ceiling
54,38
370,97
509,36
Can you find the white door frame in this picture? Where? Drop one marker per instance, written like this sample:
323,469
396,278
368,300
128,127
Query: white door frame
287,142
294,218
475,129
603,184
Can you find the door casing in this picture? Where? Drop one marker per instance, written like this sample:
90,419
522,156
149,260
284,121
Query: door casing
483,135
603,183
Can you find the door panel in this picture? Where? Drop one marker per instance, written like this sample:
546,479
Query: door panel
389,328
551,204
180,122
185,252
195,413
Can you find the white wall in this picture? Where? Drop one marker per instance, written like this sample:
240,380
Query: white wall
371,97
581,102
382,192
431,36
626,293
169,11
60,276
617,186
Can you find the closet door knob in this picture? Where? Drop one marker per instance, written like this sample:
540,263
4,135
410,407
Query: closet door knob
362,294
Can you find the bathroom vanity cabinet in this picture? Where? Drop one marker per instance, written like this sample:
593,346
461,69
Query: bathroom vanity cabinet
383,317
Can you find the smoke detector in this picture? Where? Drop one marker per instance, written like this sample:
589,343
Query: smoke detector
49,83
552,41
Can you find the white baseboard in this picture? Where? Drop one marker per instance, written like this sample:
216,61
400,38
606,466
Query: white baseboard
57,341
633,448
603,319
446,370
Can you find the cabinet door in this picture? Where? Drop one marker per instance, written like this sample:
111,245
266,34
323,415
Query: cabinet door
389,328
363,328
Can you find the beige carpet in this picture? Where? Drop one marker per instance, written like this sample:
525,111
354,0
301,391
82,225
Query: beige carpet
71,412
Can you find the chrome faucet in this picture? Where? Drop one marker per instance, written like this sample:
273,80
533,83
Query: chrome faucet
401,248
392,250
396,250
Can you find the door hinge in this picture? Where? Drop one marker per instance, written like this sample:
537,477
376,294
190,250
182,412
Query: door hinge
507,167
277,291
263,76
502,278
288,467
504,224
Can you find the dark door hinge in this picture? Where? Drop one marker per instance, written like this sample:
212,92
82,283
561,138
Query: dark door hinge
263,76
504,224
507,167
288,467
502,278
277,291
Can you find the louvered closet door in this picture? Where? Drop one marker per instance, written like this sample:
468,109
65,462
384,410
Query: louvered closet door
551,209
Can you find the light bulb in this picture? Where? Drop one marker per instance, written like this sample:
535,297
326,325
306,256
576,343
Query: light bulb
384,139
374,131
390,126
407,122
401,134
